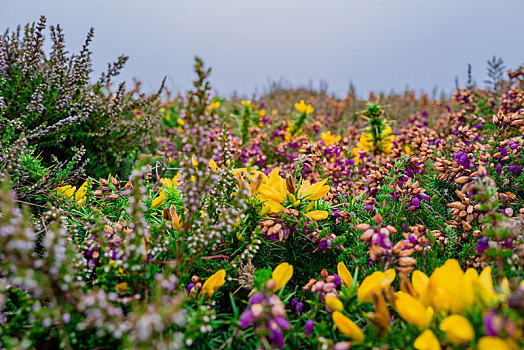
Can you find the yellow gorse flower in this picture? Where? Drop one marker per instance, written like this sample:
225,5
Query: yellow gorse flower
491,343
344,274
313,192
427,340
303,108
330,139
273,191
214,282
375,283
171,182
347,327
334,304
121,287
281,275
158,201
176,220
413,311
317,215
355,152
366,142
71,193
449,289
458,329
214,105
213,165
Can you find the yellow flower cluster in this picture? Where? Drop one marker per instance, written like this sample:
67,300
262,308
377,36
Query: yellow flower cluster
214,105
443,300
246,103
329,139
303,108
170,183
449,292
367,144
71,193
272,190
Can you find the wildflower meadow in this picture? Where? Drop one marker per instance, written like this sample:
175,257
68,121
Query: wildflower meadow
291,220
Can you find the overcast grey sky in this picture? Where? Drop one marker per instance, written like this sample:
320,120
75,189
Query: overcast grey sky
377,44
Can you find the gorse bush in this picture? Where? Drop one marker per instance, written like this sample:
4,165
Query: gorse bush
296,220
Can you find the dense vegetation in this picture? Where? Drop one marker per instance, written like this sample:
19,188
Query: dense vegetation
295,219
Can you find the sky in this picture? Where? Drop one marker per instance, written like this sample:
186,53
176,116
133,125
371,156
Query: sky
379,45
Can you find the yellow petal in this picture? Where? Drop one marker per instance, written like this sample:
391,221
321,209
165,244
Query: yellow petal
370,285
166,182
282,274
486,287
315,191
458,329
389,277
334,304
158,201
214,282
412,310
427,341
213,164
492,343
268,192
420,283
309,109
271,206
317,215
347,327
122,287
81,192
344,274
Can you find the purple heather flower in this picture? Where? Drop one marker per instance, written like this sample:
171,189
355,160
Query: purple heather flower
489,324
415,202
423,196
338,281
508,243
190,286
277,338
518,171
282,322
256,298
246,319
482,245
299,307
310,325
